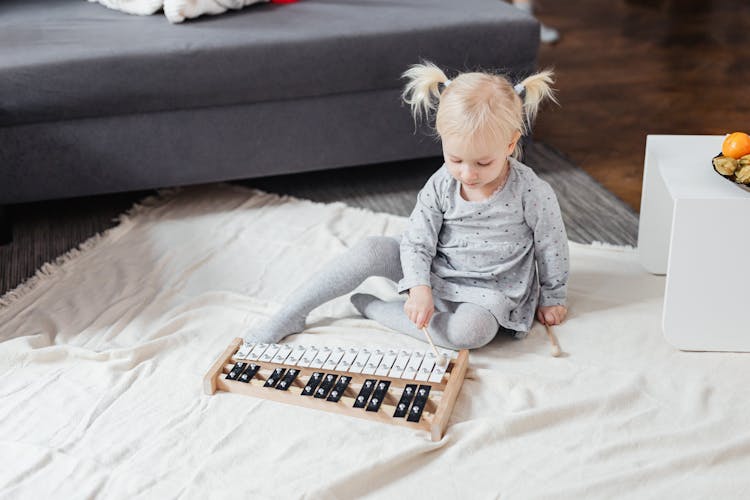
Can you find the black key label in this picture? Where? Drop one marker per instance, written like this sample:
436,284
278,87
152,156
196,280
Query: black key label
381,389
339,388
364,394
236,370
312,384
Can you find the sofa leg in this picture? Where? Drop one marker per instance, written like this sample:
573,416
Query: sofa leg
6,226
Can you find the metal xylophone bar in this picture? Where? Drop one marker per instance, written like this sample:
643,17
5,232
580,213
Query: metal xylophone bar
399,364
351,380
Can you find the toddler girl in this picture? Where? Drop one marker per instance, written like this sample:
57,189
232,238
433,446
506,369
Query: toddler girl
485,248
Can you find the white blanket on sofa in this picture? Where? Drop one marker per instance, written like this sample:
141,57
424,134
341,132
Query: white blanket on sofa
102,358
177,11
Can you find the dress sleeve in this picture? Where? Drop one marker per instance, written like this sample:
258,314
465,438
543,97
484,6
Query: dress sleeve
542,214
419,241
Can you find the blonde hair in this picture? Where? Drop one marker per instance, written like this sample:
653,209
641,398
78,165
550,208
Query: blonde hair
478,106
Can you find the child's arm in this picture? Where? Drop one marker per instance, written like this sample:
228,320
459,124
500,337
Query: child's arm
542,213
418,248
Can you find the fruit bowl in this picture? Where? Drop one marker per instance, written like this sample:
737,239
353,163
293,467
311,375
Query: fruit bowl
737,171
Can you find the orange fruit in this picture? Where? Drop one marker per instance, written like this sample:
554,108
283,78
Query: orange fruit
736,144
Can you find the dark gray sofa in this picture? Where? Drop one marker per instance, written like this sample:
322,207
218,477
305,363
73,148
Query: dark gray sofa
95,101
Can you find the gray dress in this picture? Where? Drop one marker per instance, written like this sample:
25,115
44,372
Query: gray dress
508,253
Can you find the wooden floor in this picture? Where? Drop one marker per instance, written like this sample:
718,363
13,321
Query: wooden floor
626,69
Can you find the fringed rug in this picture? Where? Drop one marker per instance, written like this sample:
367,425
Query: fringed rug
103,352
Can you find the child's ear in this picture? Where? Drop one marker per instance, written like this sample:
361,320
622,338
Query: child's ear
512,145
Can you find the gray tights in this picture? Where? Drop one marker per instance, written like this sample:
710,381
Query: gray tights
455,325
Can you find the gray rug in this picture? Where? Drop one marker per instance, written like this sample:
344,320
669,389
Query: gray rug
44,230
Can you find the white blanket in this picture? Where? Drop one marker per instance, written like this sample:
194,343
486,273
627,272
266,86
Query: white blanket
177,11
102,357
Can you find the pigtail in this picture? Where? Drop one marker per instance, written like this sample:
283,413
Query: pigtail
422,91
537,88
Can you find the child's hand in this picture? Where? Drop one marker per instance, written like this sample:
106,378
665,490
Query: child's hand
551,315
419,306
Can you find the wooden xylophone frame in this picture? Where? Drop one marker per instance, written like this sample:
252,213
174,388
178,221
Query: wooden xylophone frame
434,420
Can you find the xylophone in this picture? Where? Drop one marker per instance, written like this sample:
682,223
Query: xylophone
358,382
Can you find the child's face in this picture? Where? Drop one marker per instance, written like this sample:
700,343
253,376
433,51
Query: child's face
477,164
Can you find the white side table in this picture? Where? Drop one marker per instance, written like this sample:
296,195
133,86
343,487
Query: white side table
694,227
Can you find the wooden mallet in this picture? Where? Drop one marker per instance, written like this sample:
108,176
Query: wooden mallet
556,351
442,359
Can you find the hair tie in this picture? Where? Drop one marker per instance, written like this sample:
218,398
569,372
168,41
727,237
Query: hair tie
520,89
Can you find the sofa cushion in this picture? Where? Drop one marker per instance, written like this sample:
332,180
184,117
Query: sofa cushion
71,59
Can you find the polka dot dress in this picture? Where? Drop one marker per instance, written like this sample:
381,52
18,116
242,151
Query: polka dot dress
507,253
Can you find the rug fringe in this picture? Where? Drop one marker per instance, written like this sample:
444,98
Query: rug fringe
124,221
611,246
